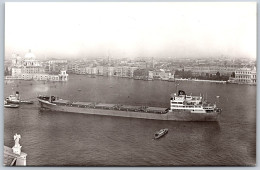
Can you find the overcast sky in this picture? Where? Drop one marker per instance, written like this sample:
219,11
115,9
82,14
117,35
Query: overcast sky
131,29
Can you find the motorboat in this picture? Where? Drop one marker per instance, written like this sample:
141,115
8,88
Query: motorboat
160,133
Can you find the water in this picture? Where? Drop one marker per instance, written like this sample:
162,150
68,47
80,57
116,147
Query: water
68,139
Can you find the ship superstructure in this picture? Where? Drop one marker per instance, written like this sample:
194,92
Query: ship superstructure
194,104
13,98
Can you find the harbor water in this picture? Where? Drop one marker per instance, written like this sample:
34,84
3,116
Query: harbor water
72,139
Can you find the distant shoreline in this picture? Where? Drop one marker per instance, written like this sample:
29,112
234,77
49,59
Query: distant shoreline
170,80
210,81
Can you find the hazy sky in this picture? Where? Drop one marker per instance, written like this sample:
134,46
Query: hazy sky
131,29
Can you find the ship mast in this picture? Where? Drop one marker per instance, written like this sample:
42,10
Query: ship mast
177,88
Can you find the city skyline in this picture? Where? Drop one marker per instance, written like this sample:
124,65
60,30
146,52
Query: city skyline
131,29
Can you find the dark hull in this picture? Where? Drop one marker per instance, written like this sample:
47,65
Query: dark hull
176,116
157,135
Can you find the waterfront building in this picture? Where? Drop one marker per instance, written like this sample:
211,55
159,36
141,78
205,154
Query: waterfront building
156,74
33,69
110,71
100,70
161,74
245,76
74,67
150,75
125,71
57,61
30,69
54,66
140,74
105,71
88,70
131,71
16,60
38,77
119,71
203,70
16,71
94,70
253,75
91,70
141,64
165,75
62,76
70,67
80,70
30,60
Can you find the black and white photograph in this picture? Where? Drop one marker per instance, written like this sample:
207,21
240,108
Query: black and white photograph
130,84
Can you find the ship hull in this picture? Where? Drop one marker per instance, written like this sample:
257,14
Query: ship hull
175,116
11,106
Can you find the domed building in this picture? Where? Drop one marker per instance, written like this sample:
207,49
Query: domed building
30,59
16,60
31,69
29,56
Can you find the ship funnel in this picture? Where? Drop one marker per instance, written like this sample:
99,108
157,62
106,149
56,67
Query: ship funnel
181,92
17,94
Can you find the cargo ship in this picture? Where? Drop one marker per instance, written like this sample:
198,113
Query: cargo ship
182,108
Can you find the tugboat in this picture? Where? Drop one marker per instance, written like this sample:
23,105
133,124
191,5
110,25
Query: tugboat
15,99
10,105
160,133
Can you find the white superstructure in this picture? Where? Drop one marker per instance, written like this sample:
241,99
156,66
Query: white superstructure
195,104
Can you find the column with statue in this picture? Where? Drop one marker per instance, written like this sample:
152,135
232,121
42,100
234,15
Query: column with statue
17,147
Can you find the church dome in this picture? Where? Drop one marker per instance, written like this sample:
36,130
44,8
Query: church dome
29,56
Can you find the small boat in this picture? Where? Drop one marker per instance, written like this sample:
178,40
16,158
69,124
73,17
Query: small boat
160,133
10,105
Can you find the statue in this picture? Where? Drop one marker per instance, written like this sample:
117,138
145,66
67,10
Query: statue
16,139
17,147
